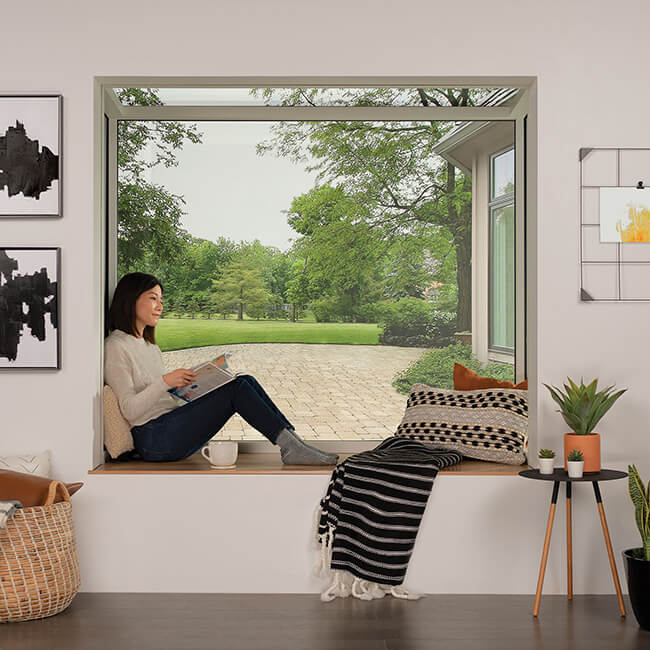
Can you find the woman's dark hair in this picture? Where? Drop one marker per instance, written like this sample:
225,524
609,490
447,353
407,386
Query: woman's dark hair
121,315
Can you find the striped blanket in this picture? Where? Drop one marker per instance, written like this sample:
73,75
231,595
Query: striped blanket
7,509
369,518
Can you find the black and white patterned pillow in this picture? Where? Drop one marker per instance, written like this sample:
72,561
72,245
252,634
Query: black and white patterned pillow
486,424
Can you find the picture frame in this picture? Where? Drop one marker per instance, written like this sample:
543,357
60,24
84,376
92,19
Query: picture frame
30,327
624,215
31,156
614,225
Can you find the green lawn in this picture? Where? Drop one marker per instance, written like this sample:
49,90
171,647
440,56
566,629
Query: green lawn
176,334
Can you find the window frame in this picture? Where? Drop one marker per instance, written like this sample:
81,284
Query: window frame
109,110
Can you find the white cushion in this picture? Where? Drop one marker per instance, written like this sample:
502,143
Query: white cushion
38,465
117,432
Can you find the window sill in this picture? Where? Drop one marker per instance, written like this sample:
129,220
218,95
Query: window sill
272,464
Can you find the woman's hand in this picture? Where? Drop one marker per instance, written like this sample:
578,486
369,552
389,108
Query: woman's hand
179,377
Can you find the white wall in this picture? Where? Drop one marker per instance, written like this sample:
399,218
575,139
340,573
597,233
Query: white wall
251,533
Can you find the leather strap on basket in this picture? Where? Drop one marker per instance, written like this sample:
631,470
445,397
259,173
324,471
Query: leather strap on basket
52,491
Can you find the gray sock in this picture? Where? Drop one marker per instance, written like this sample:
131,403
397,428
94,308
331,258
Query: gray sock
295,451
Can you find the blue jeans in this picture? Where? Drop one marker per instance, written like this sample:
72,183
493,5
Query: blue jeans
183,431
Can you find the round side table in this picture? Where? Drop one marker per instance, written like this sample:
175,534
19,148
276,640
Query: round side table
561,476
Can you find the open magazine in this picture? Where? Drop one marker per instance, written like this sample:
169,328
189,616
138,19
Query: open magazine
209,376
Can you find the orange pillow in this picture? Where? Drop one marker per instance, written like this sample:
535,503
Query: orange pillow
466,379
29,489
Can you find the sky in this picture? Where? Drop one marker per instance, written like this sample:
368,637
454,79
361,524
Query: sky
230,190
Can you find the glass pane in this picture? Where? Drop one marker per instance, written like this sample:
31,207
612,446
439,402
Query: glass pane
503,173
321,96
313,285
502,277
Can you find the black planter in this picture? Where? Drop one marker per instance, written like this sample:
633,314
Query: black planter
638,583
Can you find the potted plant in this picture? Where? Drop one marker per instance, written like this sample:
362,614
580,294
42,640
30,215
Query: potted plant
575,463
637,560
582,408
546,461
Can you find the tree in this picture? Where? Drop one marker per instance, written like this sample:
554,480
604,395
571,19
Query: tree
224,303
193,306
389,169
298,288
204,261
148,215
169,303
341,252
242,287
205,304
274,265
199,262
415,263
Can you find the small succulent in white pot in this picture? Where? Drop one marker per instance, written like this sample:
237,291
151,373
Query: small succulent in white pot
575,463
546,461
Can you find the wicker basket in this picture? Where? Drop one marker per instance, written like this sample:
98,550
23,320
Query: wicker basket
39,567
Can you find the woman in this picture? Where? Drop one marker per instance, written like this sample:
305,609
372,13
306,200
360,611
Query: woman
165,428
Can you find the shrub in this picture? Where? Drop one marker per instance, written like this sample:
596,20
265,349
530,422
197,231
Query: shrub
412,322
373,312
325,310
436,368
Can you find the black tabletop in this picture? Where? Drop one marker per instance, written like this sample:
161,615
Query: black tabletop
561,475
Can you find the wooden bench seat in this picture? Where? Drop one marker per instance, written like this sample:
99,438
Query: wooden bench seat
271,464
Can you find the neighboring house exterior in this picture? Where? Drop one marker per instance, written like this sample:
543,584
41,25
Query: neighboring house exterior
485,151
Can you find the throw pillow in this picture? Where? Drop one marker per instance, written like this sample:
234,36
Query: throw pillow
38,464
490,424
466,379
31,490
117,432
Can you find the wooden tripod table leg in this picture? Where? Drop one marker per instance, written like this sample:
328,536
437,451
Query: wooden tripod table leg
547,540
569,546
608,543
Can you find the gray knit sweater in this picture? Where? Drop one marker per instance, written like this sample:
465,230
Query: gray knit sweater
134,369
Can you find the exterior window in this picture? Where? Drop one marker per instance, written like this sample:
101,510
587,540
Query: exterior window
503,175
502,252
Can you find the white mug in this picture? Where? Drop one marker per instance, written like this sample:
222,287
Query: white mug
221,453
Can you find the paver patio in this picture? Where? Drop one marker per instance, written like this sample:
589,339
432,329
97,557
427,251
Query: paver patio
328,392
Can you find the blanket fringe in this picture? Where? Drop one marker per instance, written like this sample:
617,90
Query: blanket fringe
342,583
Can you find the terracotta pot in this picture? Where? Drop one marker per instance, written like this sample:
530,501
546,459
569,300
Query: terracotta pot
589,445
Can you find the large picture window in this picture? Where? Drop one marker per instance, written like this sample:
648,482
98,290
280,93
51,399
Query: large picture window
502,252
318,236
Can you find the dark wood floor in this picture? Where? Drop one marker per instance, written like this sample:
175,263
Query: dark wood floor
303,622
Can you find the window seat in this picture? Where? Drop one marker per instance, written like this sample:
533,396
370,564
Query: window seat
272,464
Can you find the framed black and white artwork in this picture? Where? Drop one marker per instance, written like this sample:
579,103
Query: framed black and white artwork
30,155
29,308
